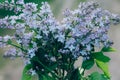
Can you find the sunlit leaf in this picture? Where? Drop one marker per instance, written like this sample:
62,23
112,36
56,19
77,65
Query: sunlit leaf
108,49
104,67
97,76
26,76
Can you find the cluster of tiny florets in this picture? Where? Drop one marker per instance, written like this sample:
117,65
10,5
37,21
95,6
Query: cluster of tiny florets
88,28
15,6
38,34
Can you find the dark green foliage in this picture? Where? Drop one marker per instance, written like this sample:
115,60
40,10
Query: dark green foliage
100,56
37,1
4,13
88,64
46,77
75,75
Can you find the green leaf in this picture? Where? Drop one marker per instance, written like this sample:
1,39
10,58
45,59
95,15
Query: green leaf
104,67
97,76
1,1
4,13
9,41
26,76
100,56
46,77
108,49
88,64
37,1
75,75
103,77
53,66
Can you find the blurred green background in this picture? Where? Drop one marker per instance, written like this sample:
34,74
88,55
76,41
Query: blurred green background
12,69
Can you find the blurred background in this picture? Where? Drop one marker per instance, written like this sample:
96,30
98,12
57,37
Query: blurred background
12,69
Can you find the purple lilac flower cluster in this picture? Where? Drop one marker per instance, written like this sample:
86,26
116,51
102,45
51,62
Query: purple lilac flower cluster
14,6
38,34
88,28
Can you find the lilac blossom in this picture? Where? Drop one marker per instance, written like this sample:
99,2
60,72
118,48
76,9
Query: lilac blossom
12,53
32,72
89,27
12,6
39,35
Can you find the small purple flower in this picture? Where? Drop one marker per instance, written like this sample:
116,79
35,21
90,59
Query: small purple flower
32,72
12,53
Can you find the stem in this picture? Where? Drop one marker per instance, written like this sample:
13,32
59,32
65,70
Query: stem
18,47
48,69
14,45
63,74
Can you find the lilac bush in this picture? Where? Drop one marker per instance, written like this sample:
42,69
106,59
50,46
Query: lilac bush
49,48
